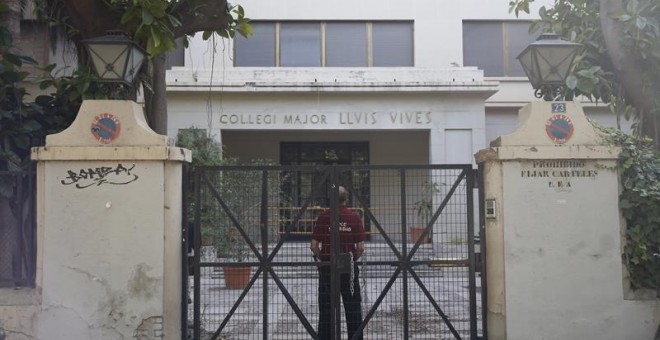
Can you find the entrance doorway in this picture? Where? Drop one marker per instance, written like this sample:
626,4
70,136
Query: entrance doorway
298,186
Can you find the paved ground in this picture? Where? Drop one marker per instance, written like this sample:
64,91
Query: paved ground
447,286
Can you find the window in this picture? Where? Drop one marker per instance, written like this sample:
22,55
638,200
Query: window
392,44
175,57
326,44
346,44
494,45
300,44
259,50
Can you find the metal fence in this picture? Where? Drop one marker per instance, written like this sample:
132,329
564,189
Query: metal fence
419,277
17,228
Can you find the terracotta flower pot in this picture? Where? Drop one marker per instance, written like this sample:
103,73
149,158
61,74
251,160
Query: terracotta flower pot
208,240
237,277
416,233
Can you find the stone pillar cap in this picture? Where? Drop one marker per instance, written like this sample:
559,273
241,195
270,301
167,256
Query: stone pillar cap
109,130
557,124
108,123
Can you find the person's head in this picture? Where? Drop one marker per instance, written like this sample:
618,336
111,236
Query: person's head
343,195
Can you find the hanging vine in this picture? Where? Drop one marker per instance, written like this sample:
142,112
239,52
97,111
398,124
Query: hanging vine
639,201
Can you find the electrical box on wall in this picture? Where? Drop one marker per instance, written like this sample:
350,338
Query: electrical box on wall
490,208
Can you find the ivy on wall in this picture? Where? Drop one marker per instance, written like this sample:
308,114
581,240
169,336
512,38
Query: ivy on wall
639,201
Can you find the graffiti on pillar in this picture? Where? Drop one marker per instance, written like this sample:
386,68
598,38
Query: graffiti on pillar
88,177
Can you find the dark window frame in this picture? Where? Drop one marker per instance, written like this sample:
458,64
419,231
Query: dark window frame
477,54
277,25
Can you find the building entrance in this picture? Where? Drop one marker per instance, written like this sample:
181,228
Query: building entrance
408,288
298,186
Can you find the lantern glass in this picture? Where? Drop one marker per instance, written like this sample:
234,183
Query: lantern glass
548,60
115,58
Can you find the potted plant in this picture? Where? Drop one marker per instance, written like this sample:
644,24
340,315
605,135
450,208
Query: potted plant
241,192
424,210
233,247
208,235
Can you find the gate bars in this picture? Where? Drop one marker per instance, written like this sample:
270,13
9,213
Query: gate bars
18,246
411,288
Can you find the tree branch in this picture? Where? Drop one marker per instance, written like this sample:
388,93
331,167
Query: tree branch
212,16
629,67
91,18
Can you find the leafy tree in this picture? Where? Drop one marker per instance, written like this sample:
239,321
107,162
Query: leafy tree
154,24
620,62
639,202
23,125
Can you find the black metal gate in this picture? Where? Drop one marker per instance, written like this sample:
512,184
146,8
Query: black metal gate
418,278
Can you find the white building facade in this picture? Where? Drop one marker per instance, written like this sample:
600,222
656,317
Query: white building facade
424,82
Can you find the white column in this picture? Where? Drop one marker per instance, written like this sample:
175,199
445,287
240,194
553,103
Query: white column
554,245
109,214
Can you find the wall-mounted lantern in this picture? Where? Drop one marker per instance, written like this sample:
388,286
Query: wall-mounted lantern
547,62
115,58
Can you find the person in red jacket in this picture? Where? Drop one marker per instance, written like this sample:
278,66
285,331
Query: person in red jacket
351,238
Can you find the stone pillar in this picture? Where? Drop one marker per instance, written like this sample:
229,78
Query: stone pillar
554,233
109,228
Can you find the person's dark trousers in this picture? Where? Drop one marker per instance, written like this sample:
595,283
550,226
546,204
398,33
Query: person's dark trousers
352,303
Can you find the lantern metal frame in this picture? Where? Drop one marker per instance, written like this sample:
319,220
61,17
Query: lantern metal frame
547,63
115,57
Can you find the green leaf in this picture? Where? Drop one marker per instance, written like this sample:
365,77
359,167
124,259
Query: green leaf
151,49
595,69
571,82
13,59
245,30
128,16
147,18
5,37
624,17
641,22
174,21
43,100
45,84
624,204
240,11
155,37
28,60
48,68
